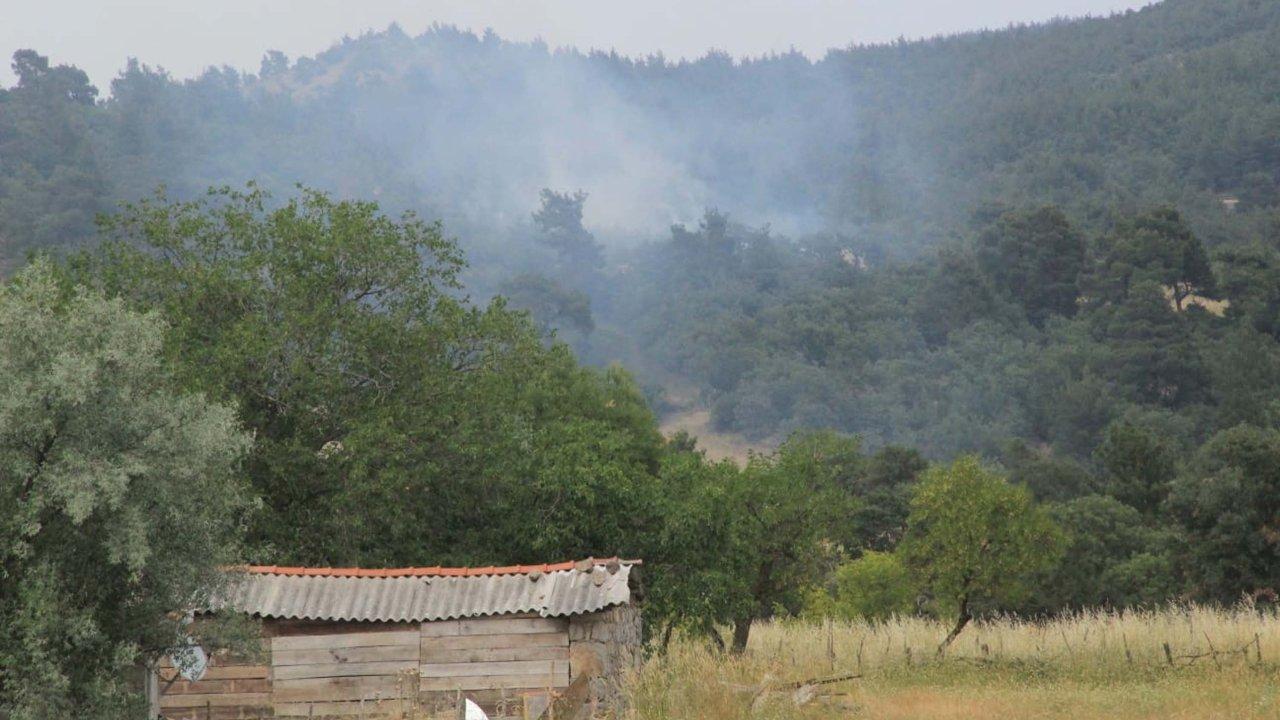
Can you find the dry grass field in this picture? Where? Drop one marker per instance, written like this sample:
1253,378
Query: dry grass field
1178,663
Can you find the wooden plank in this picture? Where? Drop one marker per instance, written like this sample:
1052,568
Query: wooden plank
351,688
493,626
221,659
218,687
533,652
344,640
215,700
510,626
202,687
479,669
392,667
222,672
320,656
511,682
230,712
337,709
475,642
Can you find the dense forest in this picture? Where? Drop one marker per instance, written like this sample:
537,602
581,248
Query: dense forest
1034,270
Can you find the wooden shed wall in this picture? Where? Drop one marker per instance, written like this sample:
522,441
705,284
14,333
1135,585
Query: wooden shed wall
231,688
324,669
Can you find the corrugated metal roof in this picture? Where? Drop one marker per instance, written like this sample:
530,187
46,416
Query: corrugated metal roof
419,594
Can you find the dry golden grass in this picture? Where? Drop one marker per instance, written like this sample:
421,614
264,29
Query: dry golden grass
1094,665
717,445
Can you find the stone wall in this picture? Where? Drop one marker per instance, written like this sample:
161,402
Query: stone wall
607,646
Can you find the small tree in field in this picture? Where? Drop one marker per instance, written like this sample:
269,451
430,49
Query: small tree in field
974,539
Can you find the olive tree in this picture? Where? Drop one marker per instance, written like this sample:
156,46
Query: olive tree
119,500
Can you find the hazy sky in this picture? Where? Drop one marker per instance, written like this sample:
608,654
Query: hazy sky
185,36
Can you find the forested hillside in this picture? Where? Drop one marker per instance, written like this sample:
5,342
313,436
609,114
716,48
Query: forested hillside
893,146
1019,285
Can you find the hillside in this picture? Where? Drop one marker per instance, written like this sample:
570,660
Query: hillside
894,144
880,153
967,349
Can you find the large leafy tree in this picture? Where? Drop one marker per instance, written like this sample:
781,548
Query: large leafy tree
1156,246
1228,503
739,543
786,505
395,422
975,541
884,490
559,222
1036,258
1137,466
120,497
50,182
1115,557
1150,350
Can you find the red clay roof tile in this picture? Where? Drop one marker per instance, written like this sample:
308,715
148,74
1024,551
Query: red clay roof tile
435,571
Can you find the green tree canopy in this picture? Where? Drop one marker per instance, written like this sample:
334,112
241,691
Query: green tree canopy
50,181
395,423
559,222
1036,258
788,504
876,586
120,498
975,541
738,543
1157,246
1228,503
1115,557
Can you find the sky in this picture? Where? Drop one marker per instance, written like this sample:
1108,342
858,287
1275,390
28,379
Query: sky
186,36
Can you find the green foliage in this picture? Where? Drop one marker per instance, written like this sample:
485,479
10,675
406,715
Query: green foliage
1114,558
741,543
551,305
1158,247
1035,258
976,542
1227,502
1048,477
876,586
1137,465
394,423
120,498
1249,277
50,181
559,222
1150,349
884,490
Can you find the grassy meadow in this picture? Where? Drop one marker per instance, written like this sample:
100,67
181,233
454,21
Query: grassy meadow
1218,664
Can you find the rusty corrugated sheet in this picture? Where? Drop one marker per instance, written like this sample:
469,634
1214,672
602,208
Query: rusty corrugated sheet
584,588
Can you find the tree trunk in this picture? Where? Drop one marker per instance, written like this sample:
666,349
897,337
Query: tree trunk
716,640
741,632
961,621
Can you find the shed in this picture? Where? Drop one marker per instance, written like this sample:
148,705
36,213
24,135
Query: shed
407,641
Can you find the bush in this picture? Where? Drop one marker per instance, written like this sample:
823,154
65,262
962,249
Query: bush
876,586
